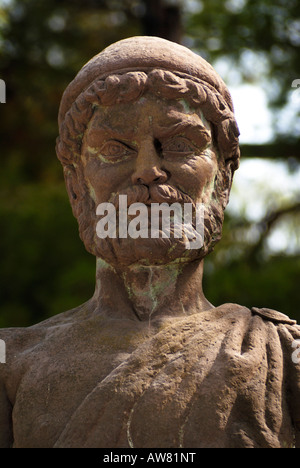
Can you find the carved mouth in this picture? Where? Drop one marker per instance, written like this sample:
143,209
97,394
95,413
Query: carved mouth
158,193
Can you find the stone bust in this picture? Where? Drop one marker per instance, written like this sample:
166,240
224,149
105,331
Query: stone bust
148,361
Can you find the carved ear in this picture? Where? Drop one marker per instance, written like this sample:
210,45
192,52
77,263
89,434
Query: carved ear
227,176
73,187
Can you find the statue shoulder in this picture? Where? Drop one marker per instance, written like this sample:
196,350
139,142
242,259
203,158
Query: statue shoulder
23,343
16,340
273,315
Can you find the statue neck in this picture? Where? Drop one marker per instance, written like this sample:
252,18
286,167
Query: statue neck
146,293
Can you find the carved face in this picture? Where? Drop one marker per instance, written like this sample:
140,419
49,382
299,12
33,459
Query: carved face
154,151
148,142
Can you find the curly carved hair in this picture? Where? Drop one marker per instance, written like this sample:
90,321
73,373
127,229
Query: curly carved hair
126,87
129,86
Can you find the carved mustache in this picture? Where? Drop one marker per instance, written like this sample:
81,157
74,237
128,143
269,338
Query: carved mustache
159,193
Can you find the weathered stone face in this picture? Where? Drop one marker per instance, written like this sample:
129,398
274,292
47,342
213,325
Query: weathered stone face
152,151
146,142
131,107
148,361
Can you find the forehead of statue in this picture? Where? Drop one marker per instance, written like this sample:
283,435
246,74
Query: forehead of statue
143,54
162,118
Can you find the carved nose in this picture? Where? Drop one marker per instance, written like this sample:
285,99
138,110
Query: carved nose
148,166
149,176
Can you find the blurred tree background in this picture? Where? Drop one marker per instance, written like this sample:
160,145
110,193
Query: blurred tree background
44,267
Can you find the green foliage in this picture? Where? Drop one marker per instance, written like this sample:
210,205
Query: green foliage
44,267
44,44
261,37
273,283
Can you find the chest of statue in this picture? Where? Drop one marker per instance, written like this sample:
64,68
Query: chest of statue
212,380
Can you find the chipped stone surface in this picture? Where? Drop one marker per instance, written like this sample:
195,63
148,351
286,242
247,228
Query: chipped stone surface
221,378
148,361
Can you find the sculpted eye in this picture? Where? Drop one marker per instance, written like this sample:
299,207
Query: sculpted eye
114,150
178,146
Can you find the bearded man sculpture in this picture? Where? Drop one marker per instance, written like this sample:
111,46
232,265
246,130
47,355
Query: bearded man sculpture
148,361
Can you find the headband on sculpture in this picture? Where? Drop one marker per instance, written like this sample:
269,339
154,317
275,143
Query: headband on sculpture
154,57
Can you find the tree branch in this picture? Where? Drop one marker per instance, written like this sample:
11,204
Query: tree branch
267,223
275,150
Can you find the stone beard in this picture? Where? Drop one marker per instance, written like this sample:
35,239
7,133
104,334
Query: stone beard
192,147
152,251
148,361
